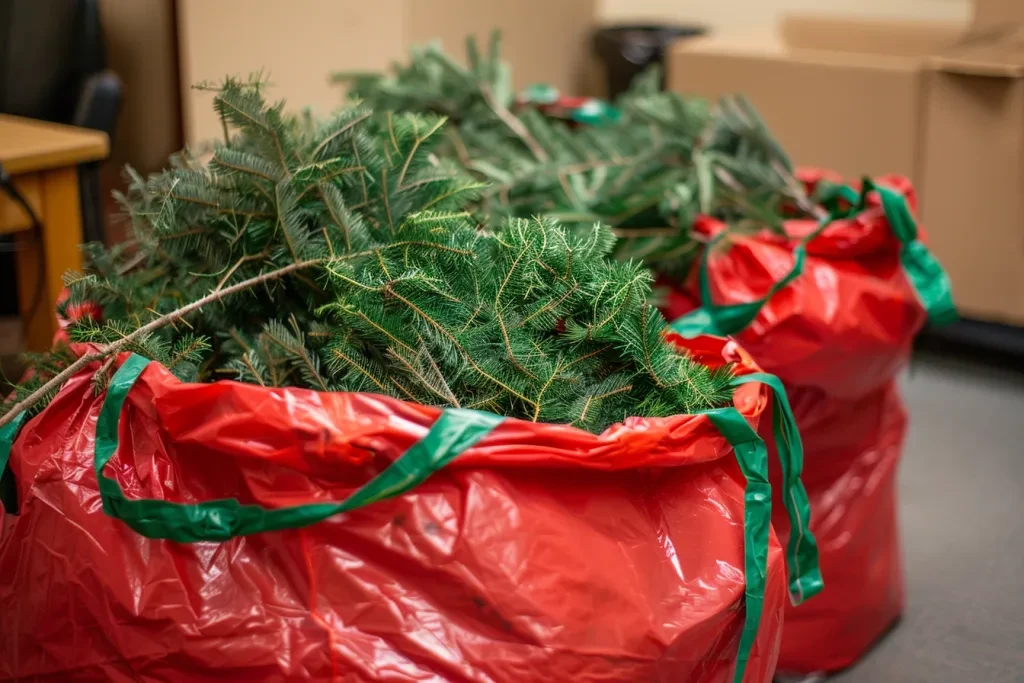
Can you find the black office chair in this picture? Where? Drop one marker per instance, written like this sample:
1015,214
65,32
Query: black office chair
53,66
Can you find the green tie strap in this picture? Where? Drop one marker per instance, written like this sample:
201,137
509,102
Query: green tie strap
8,489
455,431
802,552
926,275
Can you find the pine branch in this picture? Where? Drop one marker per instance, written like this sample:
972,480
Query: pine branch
338,133
666,159
514,124
117,346
368,267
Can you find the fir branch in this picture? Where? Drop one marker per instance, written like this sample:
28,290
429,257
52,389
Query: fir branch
152,326
455,342
415,147
339,355
234,102
248,360
338,133
294,344
596,398
498,312
354,282
436,386
666,159
544,388
514,124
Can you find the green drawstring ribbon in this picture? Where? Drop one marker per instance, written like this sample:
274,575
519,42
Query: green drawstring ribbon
8,490
929,280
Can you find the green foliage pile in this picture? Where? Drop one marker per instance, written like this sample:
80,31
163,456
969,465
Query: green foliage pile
648,173
339,255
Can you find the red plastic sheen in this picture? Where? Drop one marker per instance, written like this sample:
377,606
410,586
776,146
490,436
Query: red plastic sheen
854,447
837,337
846,325
542,554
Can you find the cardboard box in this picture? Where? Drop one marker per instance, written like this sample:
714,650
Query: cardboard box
842,94
989,12
940,103
972,185
300,42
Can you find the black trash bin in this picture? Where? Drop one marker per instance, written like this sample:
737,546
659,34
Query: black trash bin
626,50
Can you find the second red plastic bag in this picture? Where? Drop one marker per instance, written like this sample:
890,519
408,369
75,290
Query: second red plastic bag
854,448
832,309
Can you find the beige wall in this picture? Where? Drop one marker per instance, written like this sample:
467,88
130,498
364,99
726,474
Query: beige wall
726,13
299,42
296,42
544,40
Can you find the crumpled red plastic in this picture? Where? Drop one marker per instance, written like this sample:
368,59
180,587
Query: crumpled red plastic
845,325
542,554
853,450
837,337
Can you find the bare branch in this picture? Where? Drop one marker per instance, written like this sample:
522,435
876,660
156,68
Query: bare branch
514,124
152,326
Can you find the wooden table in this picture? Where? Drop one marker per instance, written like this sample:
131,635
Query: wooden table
43,159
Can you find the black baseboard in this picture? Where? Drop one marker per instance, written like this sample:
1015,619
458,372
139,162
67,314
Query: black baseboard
990,343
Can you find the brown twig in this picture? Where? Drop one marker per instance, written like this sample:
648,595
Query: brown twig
514,124
238,264
152,326
136,260
797,193
460,146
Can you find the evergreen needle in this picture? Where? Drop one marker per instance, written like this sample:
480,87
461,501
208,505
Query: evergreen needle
381,278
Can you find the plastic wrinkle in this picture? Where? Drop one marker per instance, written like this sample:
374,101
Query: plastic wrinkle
542,553
854,451
837,336
846,325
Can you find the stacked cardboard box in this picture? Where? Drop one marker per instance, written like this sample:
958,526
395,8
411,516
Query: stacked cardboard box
841,94
940,103
972,178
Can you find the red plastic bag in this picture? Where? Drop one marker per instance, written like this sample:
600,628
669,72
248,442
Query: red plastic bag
854,449
540,553
832,309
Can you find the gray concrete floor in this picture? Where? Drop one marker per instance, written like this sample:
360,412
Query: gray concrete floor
962,508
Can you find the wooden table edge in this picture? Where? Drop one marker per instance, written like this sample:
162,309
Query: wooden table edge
84,145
